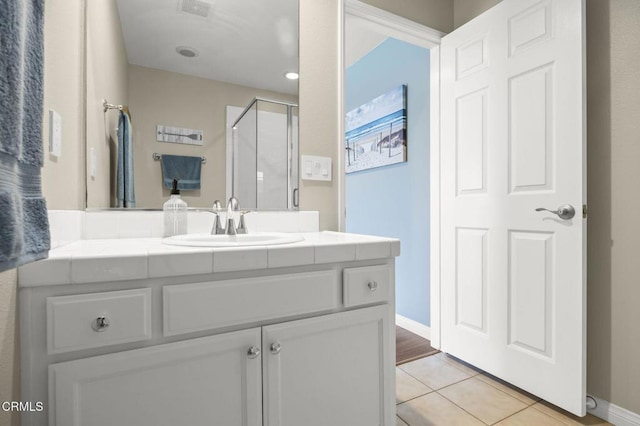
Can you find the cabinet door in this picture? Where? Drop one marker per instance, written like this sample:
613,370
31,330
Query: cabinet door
331,370
207,381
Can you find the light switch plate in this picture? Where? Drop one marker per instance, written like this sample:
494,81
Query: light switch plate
55,133
316,168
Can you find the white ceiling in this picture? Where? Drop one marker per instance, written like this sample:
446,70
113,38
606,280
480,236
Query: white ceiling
247,42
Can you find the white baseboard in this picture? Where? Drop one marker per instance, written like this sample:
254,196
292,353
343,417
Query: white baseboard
614,414
413,326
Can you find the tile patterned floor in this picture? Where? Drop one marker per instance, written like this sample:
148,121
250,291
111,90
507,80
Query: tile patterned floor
441,390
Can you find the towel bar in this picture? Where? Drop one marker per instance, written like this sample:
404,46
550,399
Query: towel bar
107,106
157,157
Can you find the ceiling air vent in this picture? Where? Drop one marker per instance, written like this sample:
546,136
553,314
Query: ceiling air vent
195,7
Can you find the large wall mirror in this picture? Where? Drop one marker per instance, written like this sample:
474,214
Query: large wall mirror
184,71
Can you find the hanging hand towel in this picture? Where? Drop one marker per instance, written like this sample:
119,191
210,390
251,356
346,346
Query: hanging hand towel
125,180
24,227
185,169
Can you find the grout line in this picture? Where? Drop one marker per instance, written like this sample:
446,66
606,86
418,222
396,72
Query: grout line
417,357
444,363
452,384
461,407
564,420
535,401
399,416
415,378
415,397
443,387
511,415
495,388
457,364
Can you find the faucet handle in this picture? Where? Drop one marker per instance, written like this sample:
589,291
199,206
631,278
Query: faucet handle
217,206
217,225
242,227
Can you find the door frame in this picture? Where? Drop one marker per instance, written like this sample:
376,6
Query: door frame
421,35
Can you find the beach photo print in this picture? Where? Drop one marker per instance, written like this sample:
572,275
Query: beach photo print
376,132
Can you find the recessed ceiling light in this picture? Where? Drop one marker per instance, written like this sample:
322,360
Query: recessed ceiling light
292,75
187,52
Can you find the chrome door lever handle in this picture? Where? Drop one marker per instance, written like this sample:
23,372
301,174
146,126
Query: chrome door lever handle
565,211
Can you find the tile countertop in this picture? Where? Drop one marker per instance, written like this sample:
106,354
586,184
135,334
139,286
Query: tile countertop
89,261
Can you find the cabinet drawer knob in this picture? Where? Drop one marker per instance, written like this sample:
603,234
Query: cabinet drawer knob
275,348
100,324
373,286
253,352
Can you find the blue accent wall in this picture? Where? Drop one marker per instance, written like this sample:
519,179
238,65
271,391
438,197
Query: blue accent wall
393,201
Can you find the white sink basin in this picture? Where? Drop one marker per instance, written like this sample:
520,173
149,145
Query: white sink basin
240,240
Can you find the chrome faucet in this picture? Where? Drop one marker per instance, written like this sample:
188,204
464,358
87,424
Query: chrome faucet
232,206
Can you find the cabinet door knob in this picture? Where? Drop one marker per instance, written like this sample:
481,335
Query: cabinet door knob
100,324
253,352
275,348
373,286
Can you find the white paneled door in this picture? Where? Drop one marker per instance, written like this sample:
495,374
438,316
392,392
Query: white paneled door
513,141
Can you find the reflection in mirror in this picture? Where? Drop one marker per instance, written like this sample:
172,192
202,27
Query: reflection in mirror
191,66
264,170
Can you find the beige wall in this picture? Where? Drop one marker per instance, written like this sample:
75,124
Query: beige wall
319,130
613,159
466,10
63,182
107,78
9,346
437,14
161,97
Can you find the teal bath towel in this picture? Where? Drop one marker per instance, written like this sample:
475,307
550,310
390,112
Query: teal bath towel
125,178
24,228
185,169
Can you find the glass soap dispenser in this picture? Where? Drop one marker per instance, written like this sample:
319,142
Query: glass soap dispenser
175,213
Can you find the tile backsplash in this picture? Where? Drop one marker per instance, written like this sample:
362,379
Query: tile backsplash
68,226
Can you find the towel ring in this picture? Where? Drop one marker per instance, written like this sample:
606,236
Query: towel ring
157,157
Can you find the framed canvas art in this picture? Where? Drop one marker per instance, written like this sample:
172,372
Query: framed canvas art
376,132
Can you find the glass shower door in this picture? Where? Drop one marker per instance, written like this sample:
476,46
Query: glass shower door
265,152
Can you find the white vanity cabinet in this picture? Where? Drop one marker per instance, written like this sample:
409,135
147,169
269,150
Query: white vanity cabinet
309,344
320,371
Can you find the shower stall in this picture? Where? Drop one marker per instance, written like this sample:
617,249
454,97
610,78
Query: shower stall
263,155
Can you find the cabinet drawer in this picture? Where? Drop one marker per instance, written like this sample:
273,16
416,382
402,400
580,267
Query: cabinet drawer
204,306
369,284
73,321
